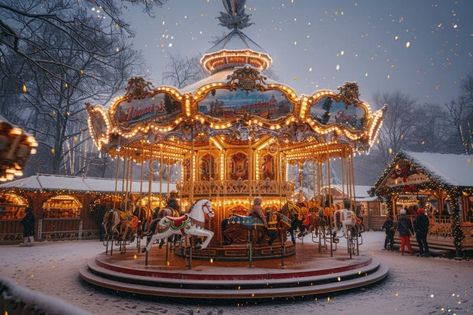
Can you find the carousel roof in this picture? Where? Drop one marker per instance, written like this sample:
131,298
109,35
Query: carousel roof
452,169
16,145
235,105
79,184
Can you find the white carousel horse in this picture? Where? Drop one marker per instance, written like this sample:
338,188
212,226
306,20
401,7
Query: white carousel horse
190,223
343,220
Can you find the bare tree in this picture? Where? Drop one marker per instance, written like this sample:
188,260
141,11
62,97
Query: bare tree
460,115
21,36
399,122
182,71
54,92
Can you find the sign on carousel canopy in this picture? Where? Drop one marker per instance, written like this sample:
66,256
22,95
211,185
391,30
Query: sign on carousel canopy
142,104
160,108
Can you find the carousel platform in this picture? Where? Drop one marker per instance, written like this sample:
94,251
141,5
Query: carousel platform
307,273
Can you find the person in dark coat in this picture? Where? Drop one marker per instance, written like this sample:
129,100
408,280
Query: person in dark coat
404,227
28,223
421,227
388,227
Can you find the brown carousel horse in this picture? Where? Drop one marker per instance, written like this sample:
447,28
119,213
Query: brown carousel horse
120,225
236,227
291,210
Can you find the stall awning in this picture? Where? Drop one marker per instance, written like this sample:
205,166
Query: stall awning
80,184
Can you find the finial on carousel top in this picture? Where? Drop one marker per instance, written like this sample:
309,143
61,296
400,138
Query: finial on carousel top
235,17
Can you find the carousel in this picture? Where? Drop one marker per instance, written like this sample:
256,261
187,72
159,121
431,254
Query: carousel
252,158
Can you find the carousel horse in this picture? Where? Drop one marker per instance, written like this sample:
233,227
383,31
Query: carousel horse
291,211
120,225
231,228
345,220
191,223
162,213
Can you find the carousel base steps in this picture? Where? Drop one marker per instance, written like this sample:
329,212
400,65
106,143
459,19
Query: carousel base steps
291,285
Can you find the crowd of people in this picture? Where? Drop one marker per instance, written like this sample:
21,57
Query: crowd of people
407,228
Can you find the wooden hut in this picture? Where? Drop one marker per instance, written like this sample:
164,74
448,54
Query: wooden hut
443,184
66,207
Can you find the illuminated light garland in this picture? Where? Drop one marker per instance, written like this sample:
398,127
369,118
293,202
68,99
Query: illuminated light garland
217,60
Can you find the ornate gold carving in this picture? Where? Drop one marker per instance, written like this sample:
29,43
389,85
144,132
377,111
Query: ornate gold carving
138,88
349,93
247,79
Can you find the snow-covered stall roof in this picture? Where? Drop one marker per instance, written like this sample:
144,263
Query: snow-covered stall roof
80,184
361,192
452,169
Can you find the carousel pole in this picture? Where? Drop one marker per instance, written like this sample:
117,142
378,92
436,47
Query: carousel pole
167,189
141,178
169,175
150,181
130,182
125,166
160,174
314,178
342,161
116,180
329,178
192,174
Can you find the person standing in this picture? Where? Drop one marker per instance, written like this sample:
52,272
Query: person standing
388,227
28,223
421,227
404,227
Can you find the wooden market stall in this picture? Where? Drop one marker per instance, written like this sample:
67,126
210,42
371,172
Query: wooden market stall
441,182
65,207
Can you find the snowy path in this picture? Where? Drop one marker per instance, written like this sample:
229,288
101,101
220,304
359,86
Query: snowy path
416,285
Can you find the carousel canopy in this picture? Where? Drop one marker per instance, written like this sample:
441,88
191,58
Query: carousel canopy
46,182
235,105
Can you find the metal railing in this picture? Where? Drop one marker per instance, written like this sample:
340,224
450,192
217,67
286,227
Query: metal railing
18,300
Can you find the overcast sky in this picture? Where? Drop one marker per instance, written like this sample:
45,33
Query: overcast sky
421,47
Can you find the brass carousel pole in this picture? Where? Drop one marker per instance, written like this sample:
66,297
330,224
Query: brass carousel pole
329,178
342,161
160,175
150,181
314,178
169,175
116,180
353,180
141,179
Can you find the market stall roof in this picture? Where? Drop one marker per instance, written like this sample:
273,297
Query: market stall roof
452,169
79,184
361,192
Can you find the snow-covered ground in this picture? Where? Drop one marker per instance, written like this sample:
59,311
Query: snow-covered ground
416,285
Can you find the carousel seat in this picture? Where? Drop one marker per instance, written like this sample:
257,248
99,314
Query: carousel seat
178,221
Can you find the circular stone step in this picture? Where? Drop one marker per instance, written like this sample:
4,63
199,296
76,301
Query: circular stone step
307,273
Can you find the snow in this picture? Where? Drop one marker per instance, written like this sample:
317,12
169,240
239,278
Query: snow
453,169
416,285
84,184
48,304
